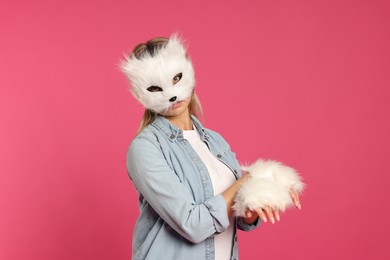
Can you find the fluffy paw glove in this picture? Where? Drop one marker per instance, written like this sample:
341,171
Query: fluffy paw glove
269,185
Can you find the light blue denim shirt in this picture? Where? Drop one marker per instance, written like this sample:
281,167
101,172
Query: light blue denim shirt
179,215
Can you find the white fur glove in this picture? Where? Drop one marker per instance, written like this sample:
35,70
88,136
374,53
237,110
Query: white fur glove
269,185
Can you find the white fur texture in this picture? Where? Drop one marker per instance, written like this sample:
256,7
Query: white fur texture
268,185
159,70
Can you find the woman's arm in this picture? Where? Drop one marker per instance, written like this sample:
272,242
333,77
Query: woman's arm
251,216
172,200
230,193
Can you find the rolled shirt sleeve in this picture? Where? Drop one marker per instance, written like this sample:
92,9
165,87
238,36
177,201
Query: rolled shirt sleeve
247,227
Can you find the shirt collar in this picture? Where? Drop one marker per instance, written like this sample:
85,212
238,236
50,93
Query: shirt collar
173,132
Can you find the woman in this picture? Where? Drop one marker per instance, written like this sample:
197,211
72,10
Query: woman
185,174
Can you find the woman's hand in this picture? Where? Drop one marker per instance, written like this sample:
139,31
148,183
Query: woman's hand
268,213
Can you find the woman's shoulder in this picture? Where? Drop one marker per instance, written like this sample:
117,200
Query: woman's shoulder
148,136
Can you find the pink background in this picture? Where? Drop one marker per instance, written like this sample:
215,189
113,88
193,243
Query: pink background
303,82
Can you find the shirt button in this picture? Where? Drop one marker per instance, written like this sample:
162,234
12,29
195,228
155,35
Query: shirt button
219,156
172,136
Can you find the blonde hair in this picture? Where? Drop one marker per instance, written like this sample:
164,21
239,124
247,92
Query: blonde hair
151,46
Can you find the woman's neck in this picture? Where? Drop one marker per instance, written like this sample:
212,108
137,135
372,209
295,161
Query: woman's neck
182,121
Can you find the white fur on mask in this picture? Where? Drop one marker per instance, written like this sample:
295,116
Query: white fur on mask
159,70
269,185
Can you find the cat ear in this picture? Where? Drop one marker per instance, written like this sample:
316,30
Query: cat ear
176,46
177,39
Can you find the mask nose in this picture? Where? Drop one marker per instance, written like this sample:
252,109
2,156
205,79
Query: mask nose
172,99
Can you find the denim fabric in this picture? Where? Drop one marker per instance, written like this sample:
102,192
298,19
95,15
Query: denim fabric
179,215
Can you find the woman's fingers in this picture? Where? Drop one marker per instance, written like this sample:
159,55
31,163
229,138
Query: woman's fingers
270,214
266,214
277,216
295,198
262,215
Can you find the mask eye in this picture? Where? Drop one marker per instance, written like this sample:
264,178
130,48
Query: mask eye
177,78
154,89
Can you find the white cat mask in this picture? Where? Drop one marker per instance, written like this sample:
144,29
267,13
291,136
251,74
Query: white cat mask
161,78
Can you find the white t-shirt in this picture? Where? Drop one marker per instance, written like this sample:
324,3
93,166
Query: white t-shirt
221,178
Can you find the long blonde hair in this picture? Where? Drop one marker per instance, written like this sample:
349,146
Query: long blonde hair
151,46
